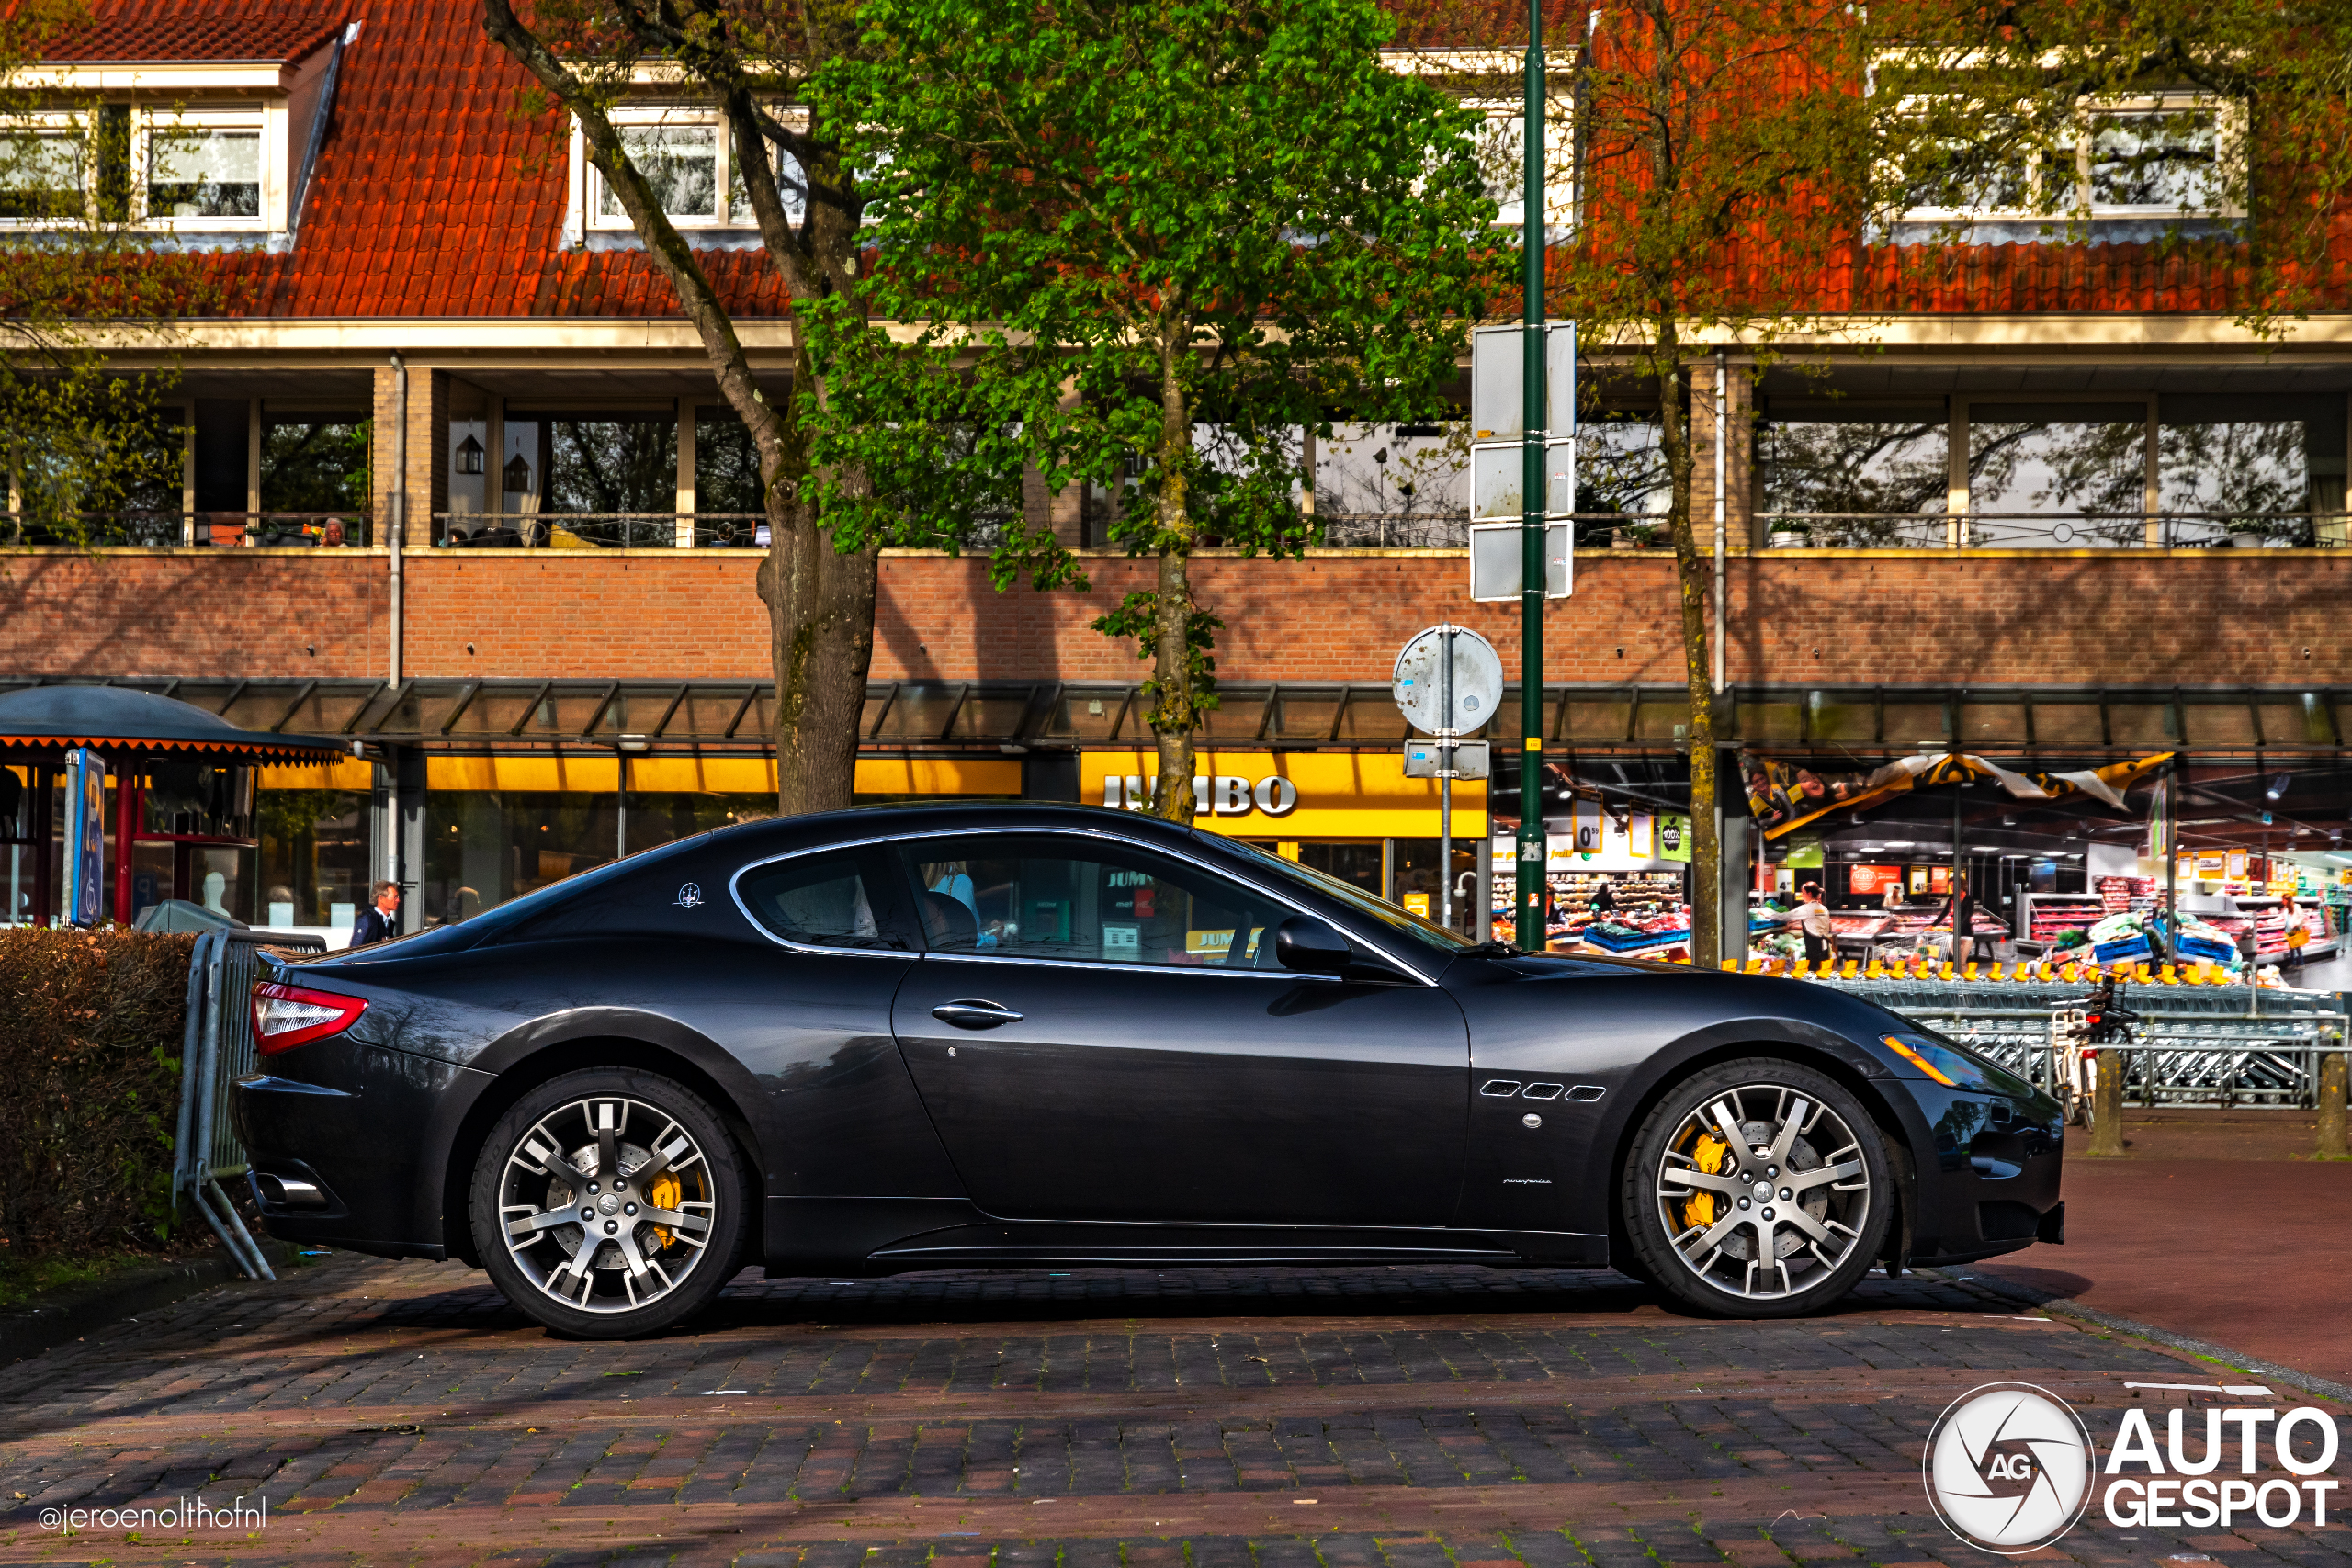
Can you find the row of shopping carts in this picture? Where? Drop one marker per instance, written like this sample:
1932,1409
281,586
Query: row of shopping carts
2188,1045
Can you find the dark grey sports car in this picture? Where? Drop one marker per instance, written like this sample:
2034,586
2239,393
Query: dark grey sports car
922,1037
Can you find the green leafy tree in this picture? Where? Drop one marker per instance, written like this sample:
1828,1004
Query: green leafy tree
798,185
94,457
1151,243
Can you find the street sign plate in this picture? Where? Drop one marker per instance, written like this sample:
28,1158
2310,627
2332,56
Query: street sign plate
1495,560
1498,379
1498,482
1425,760
1422,687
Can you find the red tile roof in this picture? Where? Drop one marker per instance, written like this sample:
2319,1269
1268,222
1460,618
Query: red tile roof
162,30
434,196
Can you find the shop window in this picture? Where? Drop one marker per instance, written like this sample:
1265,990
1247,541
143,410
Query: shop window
485,847
1501,148
1365,865
1851,477
1387,486
314,857
2061,475
314,463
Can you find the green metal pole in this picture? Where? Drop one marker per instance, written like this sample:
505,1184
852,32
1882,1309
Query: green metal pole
1530,884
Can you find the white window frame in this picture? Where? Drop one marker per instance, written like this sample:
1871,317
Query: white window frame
265,118
55,122
1559,151
2229,117
585,194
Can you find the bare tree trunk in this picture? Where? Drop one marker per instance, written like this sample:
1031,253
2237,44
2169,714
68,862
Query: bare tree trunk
1176,713
1691,584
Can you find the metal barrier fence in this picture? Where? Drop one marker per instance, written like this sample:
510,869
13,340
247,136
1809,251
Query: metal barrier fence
2195,1045
217,1049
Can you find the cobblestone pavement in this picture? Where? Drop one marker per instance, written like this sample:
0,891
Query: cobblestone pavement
1408,1417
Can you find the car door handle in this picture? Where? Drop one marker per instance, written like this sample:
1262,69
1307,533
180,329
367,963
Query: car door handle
972,1012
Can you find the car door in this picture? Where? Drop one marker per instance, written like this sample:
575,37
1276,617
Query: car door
1100,1033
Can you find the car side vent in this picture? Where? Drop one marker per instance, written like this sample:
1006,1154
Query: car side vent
1542,1092
1499,1088
1586,1094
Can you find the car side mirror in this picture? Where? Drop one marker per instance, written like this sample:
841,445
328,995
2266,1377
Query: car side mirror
1306,944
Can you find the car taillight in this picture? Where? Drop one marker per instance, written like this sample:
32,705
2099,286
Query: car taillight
288,1016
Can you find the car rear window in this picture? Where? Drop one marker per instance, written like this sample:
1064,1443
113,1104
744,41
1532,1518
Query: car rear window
827,900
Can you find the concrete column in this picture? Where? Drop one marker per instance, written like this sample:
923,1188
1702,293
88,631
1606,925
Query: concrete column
253,456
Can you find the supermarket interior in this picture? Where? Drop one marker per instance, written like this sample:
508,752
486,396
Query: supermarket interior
2063,861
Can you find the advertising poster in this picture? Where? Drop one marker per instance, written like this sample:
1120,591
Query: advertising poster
2236,869
1674,839
86,837
1641,836
1873,881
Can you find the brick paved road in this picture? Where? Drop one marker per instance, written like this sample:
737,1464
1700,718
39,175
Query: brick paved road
1275,1418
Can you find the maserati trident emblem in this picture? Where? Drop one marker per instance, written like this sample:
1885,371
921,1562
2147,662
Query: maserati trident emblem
690,897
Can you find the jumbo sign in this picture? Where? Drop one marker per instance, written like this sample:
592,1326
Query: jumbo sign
1292,795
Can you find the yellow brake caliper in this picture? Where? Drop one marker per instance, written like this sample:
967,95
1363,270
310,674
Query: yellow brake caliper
1708,1153
664,1194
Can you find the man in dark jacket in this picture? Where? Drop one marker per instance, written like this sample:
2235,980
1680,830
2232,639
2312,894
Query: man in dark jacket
375,922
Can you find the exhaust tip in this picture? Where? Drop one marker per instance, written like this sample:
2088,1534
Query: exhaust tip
289,1191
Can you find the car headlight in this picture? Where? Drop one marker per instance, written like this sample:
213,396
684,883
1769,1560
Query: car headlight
1956,1069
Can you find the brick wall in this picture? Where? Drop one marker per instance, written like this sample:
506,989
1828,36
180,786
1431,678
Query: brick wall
2223,617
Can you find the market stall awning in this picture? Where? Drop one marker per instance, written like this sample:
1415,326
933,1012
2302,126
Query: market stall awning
116,720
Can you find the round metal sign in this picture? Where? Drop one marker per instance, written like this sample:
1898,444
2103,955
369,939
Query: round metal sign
1423,692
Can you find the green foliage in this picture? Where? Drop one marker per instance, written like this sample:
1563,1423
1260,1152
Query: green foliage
90,1030
1150,244
1139,617
87,444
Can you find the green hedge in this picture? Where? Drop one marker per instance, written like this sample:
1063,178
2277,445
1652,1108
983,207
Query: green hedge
90,1030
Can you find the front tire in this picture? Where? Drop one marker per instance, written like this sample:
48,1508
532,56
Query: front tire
609,1203
1758,1188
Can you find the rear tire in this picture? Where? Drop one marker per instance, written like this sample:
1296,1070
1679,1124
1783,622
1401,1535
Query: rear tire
610,1203
1758,1188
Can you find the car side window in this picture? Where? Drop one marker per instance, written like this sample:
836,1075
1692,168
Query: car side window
1048,895
844,898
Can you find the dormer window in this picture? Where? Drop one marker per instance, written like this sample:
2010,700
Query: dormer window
197,147
209,167
684,151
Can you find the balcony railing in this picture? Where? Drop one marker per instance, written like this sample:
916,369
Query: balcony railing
601,530
284,530
2041,530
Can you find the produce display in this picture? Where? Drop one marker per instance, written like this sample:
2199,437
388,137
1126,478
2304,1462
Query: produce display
2121,938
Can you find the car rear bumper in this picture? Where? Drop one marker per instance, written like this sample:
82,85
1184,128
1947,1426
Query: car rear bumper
347,1155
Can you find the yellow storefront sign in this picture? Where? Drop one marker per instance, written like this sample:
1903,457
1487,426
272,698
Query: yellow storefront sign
716,775
1294,794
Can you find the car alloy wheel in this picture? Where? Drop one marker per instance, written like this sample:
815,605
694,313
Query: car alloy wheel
1758,1189
609,1203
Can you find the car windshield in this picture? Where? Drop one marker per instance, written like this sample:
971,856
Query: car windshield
1403,921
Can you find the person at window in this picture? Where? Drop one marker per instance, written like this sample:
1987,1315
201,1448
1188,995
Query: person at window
955,881
1892,897
375,922
1811,917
